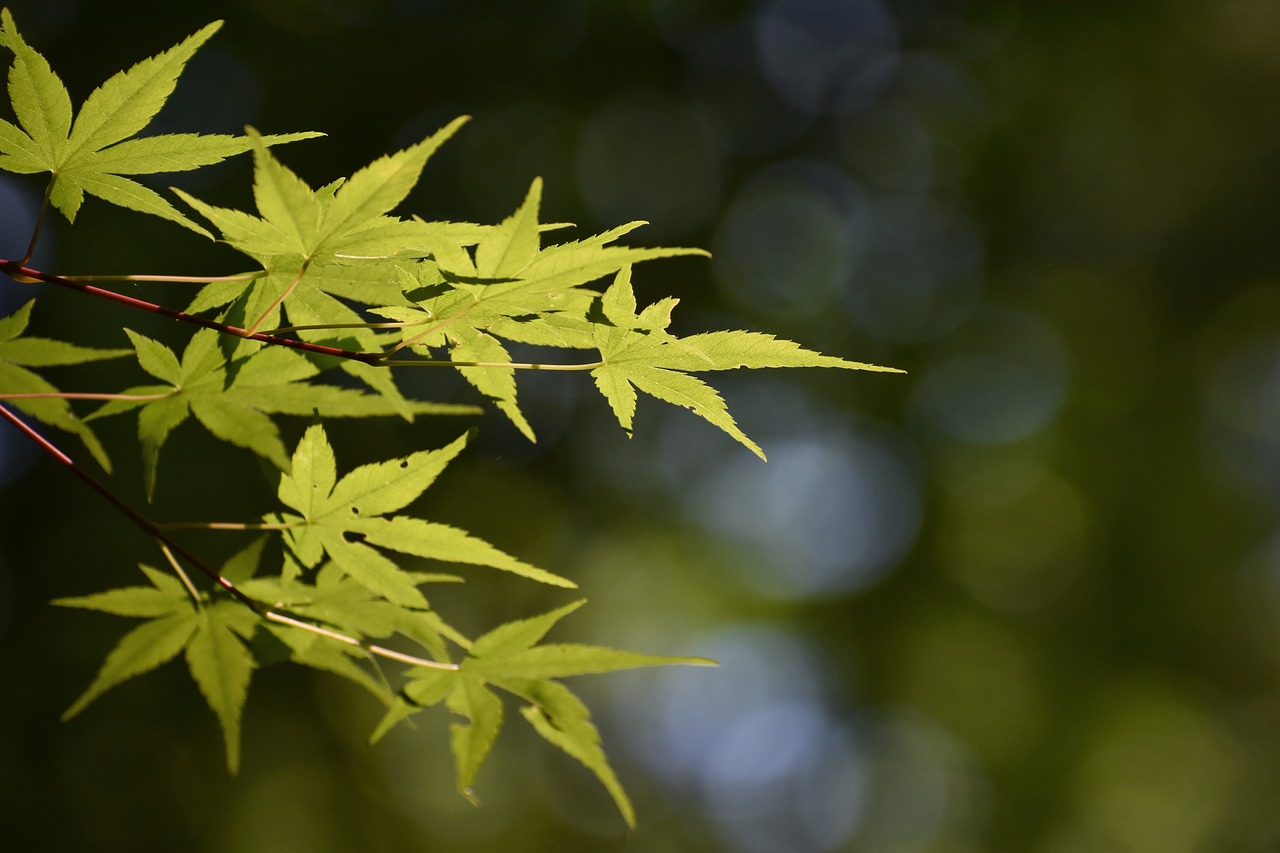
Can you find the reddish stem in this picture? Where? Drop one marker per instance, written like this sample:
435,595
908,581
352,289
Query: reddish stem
17,270
168,545
147,525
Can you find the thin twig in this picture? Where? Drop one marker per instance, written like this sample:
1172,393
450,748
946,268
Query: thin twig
281,298
515,365
17,271
228,525
177,568
314,327
170,548
35,232
174,279
85,396
434,327
352,641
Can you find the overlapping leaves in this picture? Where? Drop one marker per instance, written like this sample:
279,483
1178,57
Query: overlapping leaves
93,152
233,398
345,519
308,241
509,287
330,258
514,290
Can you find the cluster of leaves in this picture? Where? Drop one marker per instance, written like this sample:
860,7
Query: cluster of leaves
339,282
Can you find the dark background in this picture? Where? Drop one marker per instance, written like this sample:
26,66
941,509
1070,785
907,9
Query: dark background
1024,598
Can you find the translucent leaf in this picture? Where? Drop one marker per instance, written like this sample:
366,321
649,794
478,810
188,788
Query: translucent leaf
141,650
127,102
693,394
426,688
285,201
143,602
615,387
471,742
561,660
384,487
156,358
40,100
310,649
20,152
496,383
155,422
244,563
561,718
128,194
90,156
44,352
730,350
442,542
312,474
372,570
222,667
513,244
176,152
383,184
242,426
514,637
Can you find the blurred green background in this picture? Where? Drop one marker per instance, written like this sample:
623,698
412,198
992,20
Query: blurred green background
1025,598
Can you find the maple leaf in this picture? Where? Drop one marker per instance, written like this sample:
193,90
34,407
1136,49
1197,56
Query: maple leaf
233,398
638,353
211,633
513,288
19,352
345,518
91,154
509,658
337,602
300,231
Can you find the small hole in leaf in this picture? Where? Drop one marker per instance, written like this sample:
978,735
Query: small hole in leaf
404,463
355,510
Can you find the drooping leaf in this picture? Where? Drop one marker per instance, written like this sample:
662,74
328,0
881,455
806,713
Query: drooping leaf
509,658
146,647
222,666
472,741
561,719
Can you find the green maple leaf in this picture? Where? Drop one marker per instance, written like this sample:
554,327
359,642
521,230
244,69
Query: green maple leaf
339,603
233,399
472,741
222,666
301,233
638,353
322,249
345,519
211,633
19,352
509,658
91,154
510,287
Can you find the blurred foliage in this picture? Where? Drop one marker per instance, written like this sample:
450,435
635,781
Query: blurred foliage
1025,598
